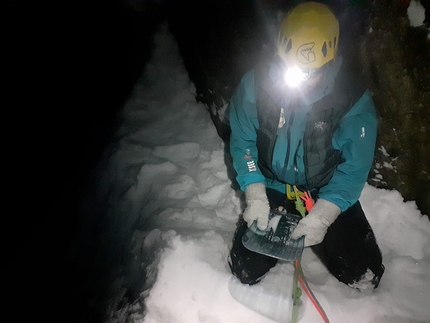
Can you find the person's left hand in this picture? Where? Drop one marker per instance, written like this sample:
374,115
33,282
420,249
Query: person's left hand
314,226
257,208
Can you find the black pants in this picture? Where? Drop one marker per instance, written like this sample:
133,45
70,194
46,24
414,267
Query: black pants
349,248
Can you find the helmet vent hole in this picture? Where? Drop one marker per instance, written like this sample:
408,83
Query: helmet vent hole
330,44
324,49
289,46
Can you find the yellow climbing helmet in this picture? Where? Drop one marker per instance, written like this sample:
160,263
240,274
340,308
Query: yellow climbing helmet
309,36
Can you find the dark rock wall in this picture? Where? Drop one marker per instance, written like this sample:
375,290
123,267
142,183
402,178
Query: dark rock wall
396,59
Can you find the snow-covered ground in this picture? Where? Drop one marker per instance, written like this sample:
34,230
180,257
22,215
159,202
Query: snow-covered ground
168,180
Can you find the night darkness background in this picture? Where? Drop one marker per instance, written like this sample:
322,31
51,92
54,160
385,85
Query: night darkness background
68,68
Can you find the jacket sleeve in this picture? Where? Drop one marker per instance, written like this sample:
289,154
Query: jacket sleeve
355,138
243,140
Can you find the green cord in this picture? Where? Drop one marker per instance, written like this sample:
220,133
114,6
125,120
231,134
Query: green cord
297,293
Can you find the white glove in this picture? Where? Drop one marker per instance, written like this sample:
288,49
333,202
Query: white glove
314,226
257,205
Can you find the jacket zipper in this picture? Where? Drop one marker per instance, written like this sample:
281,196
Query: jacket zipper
290,122
296,170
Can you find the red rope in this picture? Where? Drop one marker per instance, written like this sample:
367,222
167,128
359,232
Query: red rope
308,292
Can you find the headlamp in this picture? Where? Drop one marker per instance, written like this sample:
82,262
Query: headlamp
294,76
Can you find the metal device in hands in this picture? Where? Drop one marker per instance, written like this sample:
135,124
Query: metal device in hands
276,240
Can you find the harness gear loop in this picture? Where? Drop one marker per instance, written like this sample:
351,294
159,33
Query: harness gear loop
294,194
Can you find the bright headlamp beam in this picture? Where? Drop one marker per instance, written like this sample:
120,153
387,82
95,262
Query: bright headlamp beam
294,76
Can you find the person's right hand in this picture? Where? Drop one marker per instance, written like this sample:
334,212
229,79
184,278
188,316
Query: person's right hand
314,226
257,205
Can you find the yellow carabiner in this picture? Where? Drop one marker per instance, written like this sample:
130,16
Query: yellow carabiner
300,207
293,193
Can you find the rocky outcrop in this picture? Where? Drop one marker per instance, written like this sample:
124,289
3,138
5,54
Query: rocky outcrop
396,60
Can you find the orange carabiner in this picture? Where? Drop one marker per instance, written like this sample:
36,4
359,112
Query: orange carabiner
309,202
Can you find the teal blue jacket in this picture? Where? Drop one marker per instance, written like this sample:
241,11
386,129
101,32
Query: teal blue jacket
355,138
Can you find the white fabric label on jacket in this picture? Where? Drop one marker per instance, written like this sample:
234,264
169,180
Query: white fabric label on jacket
281,119
251,166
